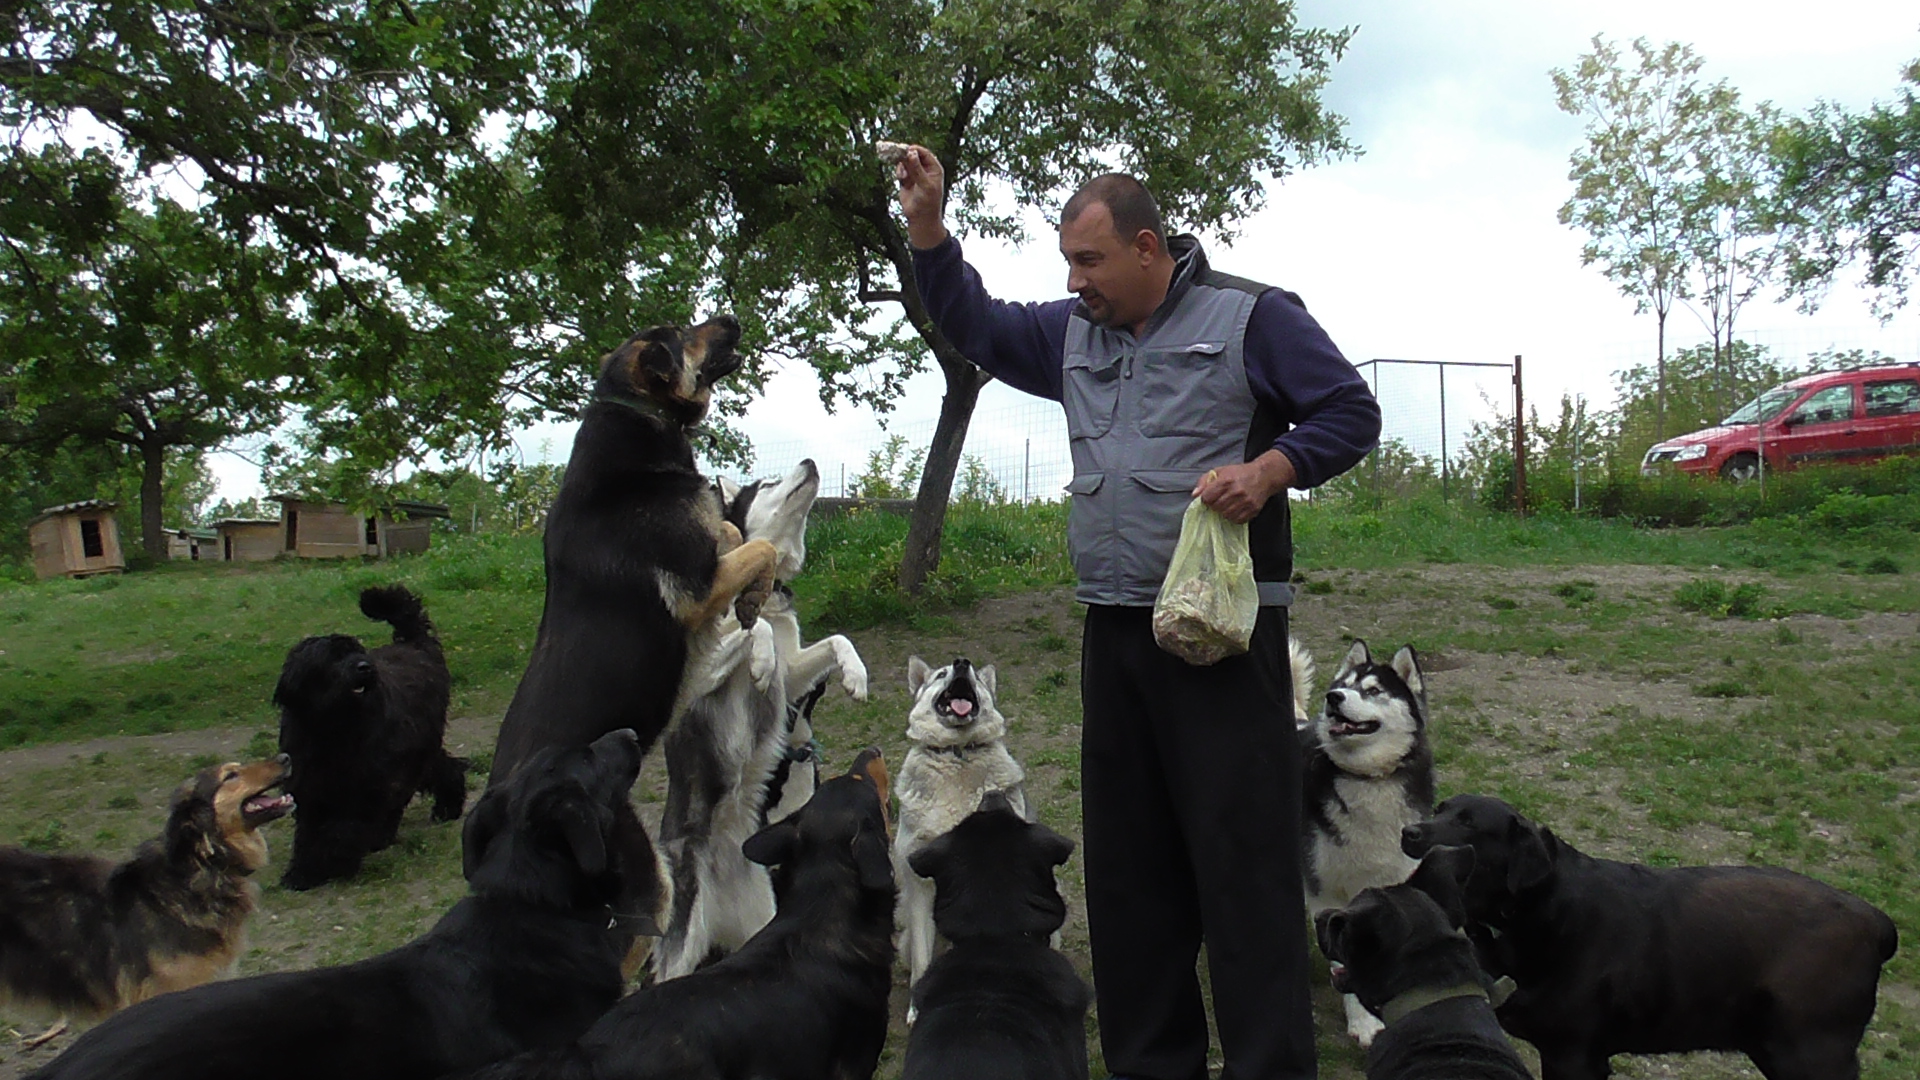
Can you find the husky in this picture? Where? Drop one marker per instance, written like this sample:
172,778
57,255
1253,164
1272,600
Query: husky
1368,774
959,754
737,732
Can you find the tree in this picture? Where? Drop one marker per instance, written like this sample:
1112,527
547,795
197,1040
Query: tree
748,126
1850,193
1731,224
141,328
1700,383
1631,178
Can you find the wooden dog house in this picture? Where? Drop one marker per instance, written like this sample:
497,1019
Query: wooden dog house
247,539
318,529
193,544
76,540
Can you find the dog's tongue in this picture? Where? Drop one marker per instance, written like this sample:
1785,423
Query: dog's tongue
960,706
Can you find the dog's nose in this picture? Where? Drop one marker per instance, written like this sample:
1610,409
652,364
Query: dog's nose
1333,698
1414,837
282,760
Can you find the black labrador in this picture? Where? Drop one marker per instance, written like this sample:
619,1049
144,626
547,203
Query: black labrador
1618,958
524,961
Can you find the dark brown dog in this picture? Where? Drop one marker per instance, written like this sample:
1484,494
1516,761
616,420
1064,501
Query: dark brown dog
1615,958
84,937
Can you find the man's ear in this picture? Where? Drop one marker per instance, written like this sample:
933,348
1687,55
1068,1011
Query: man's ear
1147,246
774,844
1529,855
485,822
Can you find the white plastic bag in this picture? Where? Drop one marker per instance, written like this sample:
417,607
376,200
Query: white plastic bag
1208,602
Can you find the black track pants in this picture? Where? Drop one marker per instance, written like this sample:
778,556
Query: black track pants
1190,784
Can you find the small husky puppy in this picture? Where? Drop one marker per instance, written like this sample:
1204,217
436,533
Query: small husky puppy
959,754
1368,774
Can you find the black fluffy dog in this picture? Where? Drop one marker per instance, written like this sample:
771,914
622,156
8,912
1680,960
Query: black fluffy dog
364,728
1400,950
804,999
1615,958
1000,1002
522,962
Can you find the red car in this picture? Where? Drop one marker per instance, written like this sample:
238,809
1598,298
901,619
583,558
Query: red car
1854,416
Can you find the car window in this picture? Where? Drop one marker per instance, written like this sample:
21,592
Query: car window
1833,403
1893,398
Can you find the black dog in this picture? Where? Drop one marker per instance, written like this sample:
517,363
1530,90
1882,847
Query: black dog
364,728
1615,958
804,999
1400,950
632,552
1000,1002
523,962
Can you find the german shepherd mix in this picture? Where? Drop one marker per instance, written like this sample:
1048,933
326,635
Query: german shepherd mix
805,999
1400,951
638,561
724,753
1367,773
523,962
1000,1002
1614,958
84,937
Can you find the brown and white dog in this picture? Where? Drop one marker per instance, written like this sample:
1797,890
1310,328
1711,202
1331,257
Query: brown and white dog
83,937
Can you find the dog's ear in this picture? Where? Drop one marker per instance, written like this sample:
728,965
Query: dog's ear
729,491
642,358
1442,875
931,859
872,859
571,812
193,827
917,672
985,677
1050,845
774,844
1357,656
1529,855
1407,665
485,822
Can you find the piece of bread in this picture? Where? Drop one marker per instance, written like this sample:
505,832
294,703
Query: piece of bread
891,152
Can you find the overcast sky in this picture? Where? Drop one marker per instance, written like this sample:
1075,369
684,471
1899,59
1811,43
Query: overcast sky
1440,241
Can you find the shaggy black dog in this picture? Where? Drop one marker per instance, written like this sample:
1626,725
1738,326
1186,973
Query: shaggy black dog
523,962
804,999
1616,958
1000,1002
364,729
1400,950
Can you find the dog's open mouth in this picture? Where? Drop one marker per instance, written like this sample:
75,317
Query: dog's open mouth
1343,728
1337,975
958,709
264,807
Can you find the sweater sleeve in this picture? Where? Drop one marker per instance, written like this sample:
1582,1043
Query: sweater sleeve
1019,344
1295,368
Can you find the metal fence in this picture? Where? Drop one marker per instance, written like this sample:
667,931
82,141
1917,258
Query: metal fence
1428,408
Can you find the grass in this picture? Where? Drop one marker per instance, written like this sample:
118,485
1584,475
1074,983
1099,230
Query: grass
1741,694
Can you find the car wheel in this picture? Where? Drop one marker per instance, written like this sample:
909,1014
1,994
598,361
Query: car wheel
1740,468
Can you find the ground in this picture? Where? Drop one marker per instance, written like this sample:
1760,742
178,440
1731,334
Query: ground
1585,694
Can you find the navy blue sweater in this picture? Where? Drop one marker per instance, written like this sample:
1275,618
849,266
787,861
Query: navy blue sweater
1292,366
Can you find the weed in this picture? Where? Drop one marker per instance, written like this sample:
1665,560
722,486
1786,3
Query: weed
1706,596
1053,643
1577,593
50,835
1881,564
1501,603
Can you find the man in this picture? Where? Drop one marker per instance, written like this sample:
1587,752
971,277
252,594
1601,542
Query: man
1177,381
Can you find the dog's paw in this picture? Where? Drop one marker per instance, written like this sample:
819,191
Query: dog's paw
913,1013
763,659
853,672
1363,1025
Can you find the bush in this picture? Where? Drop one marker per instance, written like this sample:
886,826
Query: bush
1706,596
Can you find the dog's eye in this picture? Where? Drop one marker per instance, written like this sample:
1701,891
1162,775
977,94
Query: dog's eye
230,775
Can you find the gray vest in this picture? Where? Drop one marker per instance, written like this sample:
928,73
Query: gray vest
1148,417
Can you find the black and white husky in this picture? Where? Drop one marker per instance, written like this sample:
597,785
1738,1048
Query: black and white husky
959,754
1368,774
738,731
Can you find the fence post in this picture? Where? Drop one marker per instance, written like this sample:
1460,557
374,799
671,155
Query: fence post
1026,472
1519,443
1443,433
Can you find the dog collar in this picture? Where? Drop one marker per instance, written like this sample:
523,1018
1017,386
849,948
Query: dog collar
1414,1000
650,409
806,752
956,750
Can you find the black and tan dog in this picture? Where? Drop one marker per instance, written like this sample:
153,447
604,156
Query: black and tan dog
1401,953
365,729
1000,1002
84,937
522,962
638,561
1616,958
804,999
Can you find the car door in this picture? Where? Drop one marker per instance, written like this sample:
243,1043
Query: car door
1890,420
1819,428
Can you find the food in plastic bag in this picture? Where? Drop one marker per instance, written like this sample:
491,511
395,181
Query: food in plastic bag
1208,602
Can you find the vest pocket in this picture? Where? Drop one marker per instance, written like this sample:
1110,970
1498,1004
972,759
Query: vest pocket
1092,395
1089,528
1153,521
1180,387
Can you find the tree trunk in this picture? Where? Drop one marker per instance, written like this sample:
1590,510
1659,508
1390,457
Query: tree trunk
153,463
1660,382
929,519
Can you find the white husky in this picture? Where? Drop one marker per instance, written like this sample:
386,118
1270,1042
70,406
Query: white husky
959,754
